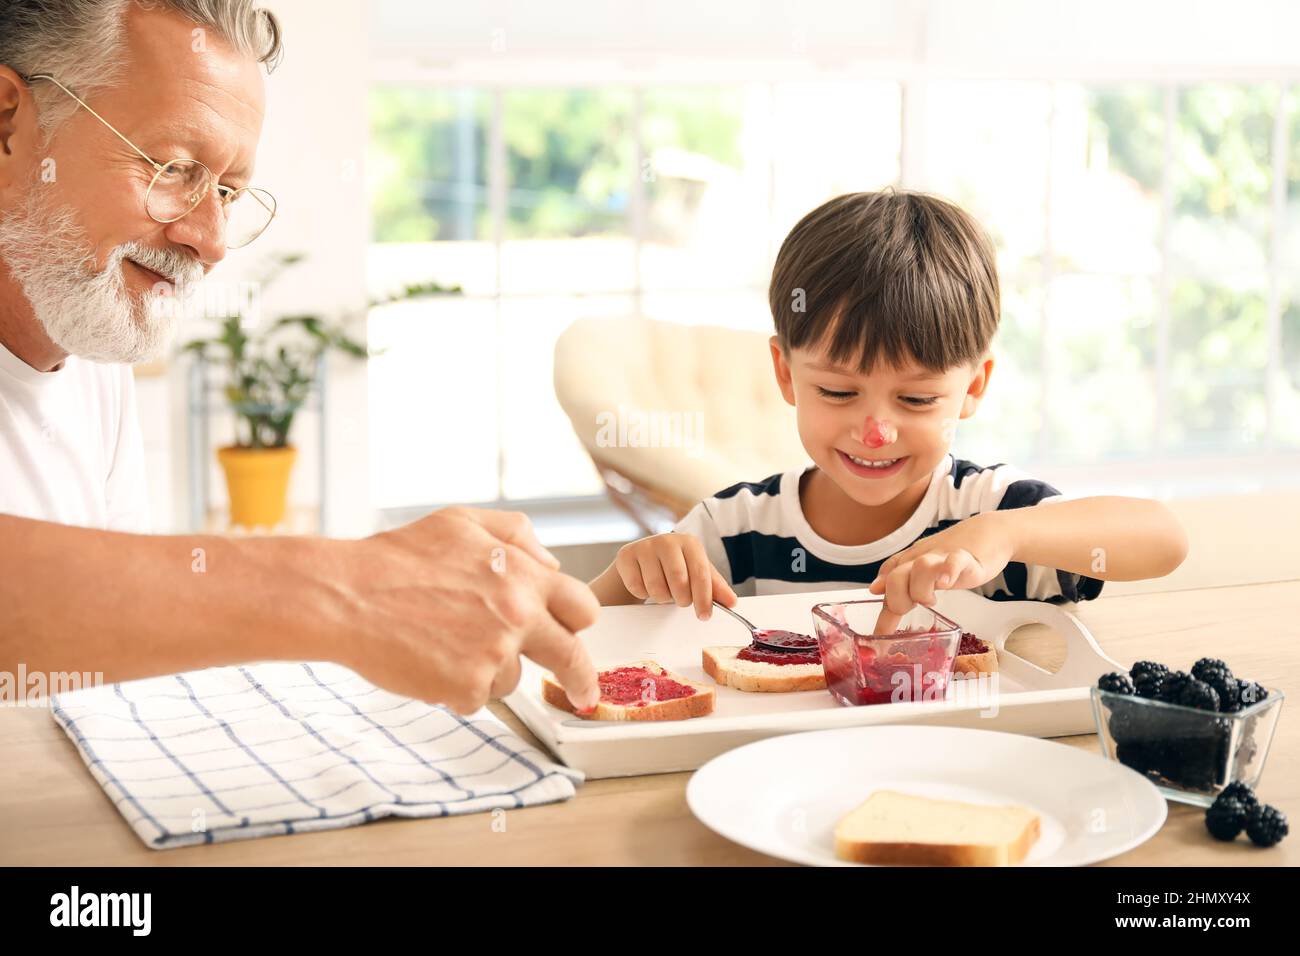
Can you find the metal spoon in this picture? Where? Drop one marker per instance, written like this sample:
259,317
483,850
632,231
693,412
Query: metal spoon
789,641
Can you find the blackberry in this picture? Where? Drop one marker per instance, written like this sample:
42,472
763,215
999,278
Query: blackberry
1193,749
1208,665
1251,693
1127,722
1148,683
1198,694
1226,818
1229,691
1138,756
1171,688
1238,791
1147,667
1266,826
1116,683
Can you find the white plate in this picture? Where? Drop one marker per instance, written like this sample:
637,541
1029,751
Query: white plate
783,796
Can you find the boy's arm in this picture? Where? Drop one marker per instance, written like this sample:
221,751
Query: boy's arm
608,586
1108,538
610,590
1112,538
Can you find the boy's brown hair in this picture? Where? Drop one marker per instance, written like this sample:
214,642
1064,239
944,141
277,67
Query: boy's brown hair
887,275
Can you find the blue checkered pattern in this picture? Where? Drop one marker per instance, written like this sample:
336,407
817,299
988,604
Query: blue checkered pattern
233,753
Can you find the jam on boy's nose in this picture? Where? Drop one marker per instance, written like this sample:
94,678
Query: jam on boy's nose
877,433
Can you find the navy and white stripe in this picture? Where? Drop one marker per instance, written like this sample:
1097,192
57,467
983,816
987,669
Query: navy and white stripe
232,753
756,534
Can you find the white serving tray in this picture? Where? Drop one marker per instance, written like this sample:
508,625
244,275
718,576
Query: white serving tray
1025,699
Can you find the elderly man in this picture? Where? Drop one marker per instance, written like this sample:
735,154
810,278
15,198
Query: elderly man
126,151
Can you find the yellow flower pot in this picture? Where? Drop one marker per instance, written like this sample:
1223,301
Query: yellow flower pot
258,482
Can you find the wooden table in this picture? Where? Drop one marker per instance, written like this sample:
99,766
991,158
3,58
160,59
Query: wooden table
53,813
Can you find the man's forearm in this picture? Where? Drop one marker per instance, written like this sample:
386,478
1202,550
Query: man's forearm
129,606
1110,538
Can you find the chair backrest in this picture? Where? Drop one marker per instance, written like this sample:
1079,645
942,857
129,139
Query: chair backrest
685,410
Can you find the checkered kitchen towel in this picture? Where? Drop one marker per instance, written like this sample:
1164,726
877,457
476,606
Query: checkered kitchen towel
233,753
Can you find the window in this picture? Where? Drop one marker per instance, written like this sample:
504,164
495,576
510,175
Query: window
1148,242
666,202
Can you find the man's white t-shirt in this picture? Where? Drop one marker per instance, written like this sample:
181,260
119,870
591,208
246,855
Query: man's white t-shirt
70,445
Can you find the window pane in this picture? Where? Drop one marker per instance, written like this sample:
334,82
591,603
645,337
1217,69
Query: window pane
543,456
569,178
1219,260
986,147
739,308
1101,364
987,150
832,138
1287,417
706,177
427,170
1107,161
1217,360
1007,424
432,419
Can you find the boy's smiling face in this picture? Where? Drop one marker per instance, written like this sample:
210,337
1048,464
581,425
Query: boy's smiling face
849,420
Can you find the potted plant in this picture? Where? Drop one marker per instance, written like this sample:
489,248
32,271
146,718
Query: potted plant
269,374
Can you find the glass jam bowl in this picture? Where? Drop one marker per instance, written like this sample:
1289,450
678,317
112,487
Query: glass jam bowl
912,664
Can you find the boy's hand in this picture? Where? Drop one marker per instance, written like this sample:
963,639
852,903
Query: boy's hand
966,555
673,568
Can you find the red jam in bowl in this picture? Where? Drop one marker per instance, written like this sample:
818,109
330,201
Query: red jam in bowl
898,667
636,687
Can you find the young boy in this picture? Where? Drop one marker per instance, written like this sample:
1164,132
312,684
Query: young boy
885,306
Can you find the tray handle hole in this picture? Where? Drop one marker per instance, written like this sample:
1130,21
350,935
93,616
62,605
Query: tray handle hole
1038,644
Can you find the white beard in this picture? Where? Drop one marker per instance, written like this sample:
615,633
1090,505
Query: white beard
87,313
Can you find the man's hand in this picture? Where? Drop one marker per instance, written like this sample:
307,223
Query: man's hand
966,555
442,608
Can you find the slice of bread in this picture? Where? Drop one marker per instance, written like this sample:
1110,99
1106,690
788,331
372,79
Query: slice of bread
899,828
972,665
697,704
723,666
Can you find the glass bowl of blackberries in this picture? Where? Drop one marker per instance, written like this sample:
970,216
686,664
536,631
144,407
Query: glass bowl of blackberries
1190,733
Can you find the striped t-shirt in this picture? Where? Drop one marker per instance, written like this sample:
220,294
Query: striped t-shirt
756,535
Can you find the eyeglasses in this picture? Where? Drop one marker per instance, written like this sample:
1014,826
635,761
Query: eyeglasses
179,186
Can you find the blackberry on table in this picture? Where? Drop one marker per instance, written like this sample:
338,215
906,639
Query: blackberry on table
1226,817
1238,791
1116,683
1266,826
1198,694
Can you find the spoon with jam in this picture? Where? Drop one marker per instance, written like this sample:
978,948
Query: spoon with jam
774,640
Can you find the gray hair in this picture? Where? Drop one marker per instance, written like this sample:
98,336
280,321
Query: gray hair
78,41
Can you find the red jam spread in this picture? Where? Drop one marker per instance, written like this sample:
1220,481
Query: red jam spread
802,649
970,644
765,655
906,670
785,638
636,687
